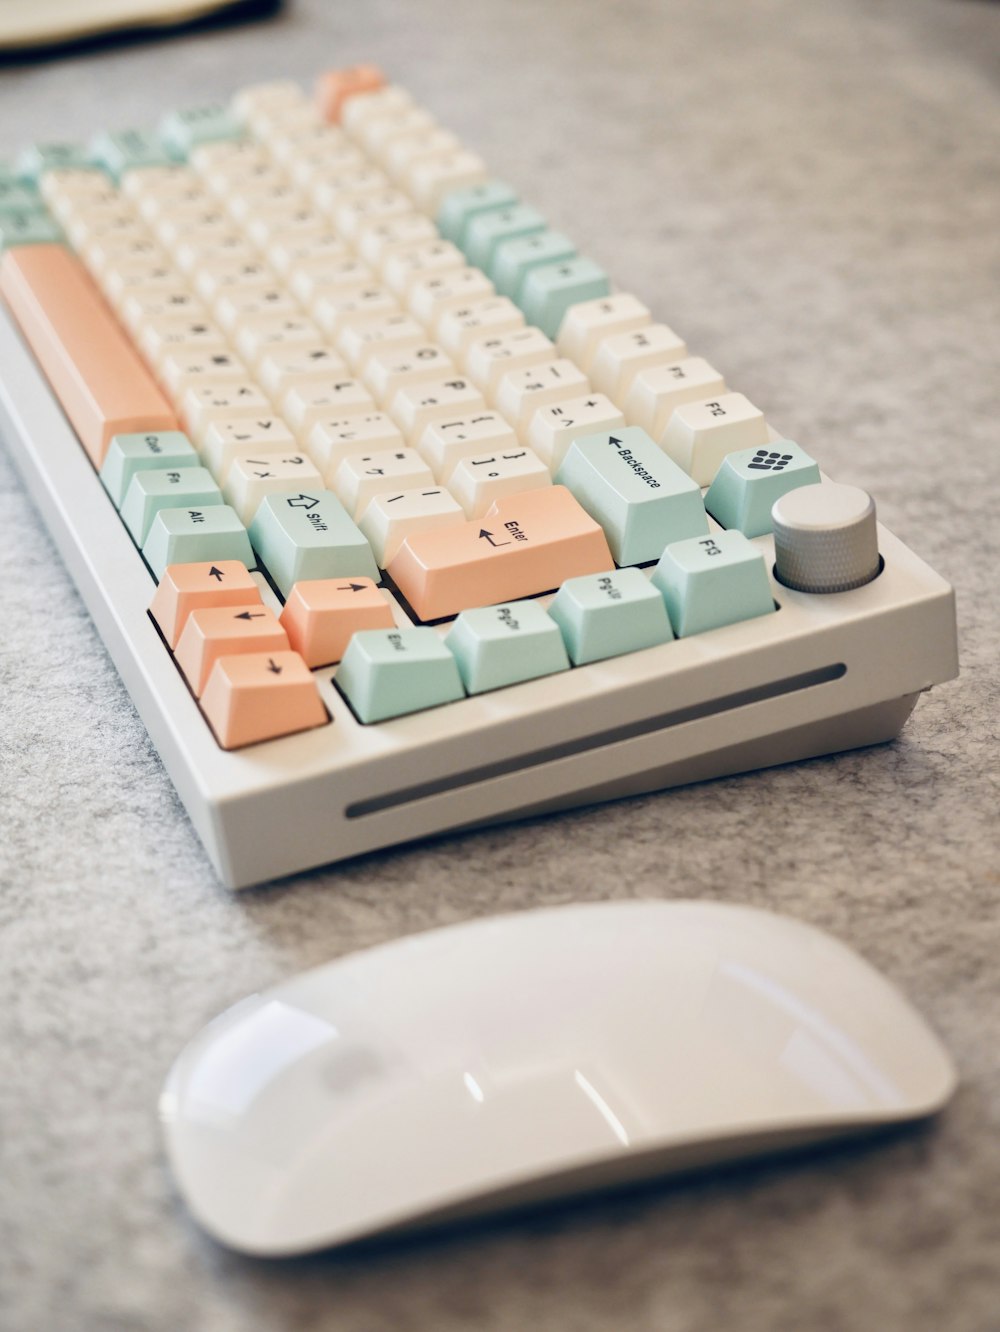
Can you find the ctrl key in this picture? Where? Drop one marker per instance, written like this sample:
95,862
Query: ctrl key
261,696
389,672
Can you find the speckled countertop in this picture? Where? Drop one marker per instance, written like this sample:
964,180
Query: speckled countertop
810,194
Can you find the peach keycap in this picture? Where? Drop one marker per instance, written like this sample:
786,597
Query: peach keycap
93,369
259,696
334,88
188,587
525,544
321,614
222,631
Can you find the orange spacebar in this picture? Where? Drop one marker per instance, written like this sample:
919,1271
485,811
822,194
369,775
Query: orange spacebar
525,544
92,367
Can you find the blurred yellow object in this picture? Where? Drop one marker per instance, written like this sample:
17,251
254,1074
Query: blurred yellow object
44,23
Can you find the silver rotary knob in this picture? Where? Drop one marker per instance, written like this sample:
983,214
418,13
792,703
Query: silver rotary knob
825,538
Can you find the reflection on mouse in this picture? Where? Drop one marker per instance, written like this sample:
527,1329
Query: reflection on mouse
529,1057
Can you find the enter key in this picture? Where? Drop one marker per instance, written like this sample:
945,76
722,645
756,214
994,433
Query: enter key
524,545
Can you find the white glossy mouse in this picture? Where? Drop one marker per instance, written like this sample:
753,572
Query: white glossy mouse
532,1056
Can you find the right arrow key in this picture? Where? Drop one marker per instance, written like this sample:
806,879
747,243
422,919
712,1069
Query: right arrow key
524,545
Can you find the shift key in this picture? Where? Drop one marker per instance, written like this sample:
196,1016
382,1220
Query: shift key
524,545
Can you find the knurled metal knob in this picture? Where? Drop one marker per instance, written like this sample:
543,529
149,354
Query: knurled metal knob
825,538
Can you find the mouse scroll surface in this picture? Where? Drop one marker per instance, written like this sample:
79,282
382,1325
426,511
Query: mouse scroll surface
528,1056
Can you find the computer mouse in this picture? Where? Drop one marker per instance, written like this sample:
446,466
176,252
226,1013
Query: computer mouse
531,1056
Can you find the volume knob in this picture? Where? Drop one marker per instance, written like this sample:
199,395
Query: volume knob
825,538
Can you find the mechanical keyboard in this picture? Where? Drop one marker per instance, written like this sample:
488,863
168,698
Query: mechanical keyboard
396,515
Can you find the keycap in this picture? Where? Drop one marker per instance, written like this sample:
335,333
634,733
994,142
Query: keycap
520,393
424,141
504,645
392,516
166,488
749,482
92,367
226,439
331,441
360,338
606,615
444,444
187,587
222,631
477,483
362,476
430,179
657,392
586,325
708,582
375,240
553,429
310,400
619,357
390,672
356,111
489,359
309,534
320,615
699,435
128,149
192,536
159,337
526,544
389,370
429,297
404,268
28,226
416,406
514,259
282,366
459,207
275,92
183,130
337,85
258,334
260,696
551,289
202,404
486,231
129,454
353,306
250,480
641,499
459,328
33,162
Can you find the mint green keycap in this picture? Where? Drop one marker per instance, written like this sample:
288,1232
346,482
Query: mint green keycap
514,259
28,226
549,291
641,498
605,615
190,536
460,206
388,672
166,488
712,581
505,645
33,162
128,149
309,535
128,454
488,230
748,483
182,131
16,196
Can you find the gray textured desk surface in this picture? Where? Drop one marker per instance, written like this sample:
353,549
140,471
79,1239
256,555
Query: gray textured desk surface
810,193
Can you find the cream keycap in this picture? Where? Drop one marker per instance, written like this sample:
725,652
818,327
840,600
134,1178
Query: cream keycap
261,696
219,631
374,241
183,368
444,444
286,364
524,545
491,316
552,429
332,440
250,479
310,400
158,337
657,392
355,305
585,326
522,392
232,306
322,614
619,358
477,483
487,360
431,296
87,358
700,435
389,370
184,588
256,336
415,406
222,401
430,179
392,517
224,439
362,476
359,339
404,268
309,279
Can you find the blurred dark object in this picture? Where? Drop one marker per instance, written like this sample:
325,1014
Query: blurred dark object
33,29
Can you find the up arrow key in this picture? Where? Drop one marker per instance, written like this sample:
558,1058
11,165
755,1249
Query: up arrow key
217,574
